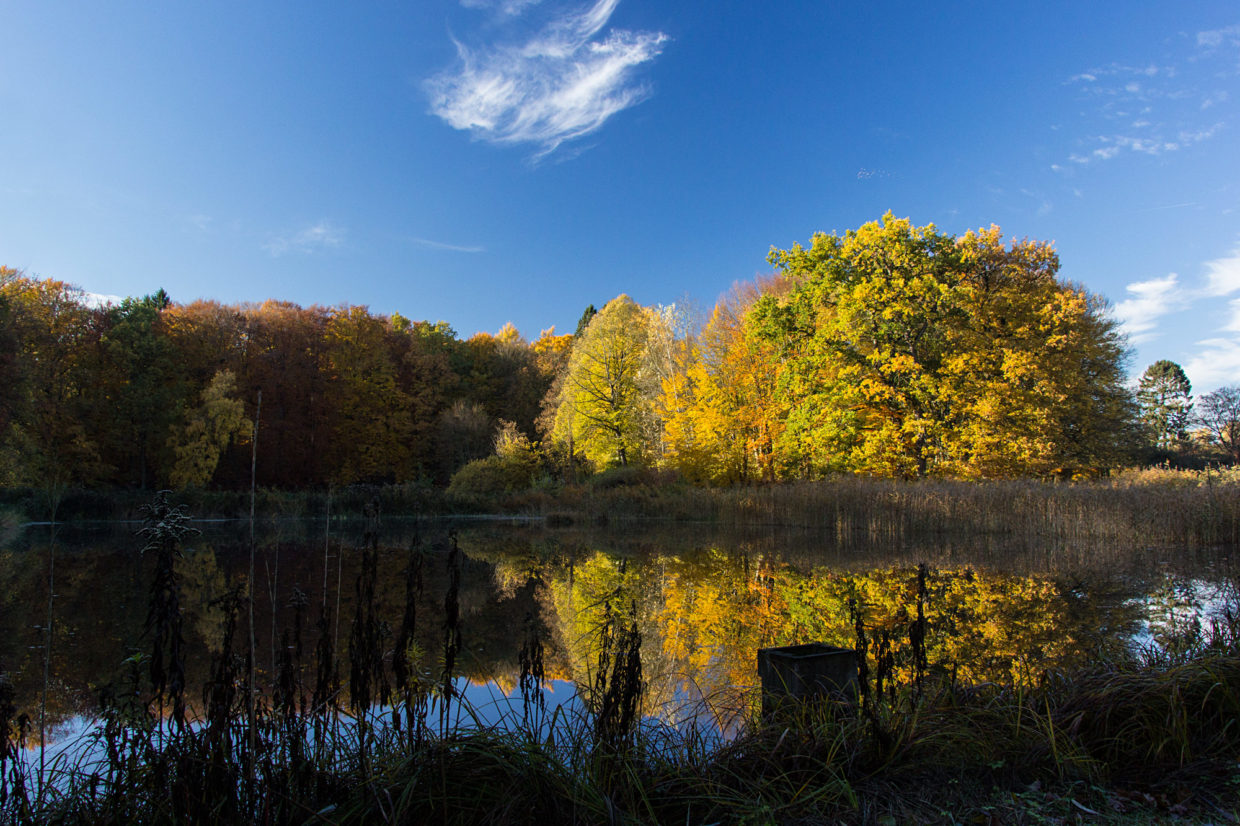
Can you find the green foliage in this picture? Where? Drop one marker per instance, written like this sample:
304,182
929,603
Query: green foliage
373,425
139,379
1164,394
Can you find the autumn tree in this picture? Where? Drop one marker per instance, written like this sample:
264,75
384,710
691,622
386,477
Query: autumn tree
372,423
141,381
1218,413
502,375
1036,380
670,343
283,353
48,444
1164,394
208,429
602,411
720,414
464,432
423,353
9,347
551,352
206,337
908,352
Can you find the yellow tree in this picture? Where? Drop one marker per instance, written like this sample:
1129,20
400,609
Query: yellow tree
908,352
207,431
719,413
602,410
1035,372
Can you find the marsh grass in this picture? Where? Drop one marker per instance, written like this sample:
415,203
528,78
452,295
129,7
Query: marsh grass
1153,736
1157,507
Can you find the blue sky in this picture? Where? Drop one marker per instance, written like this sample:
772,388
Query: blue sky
486,161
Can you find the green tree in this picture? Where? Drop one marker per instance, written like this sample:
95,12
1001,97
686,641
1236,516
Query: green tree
141,383
1164,394
373,425
602,410
587,315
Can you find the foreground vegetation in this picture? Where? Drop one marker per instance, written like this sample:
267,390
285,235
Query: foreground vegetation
1124,744
367,736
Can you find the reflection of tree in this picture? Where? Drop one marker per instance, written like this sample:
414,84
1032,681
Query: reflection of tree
713,611
1183,612
203,584
702,613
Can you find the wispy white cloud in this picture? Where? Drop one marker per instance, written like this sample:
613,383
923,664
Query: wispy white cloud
439,245
1154,108
1215,38
315,238
1216,363
1223,275
563,82
510,8
99,300
1216,360
1233,325
1149,300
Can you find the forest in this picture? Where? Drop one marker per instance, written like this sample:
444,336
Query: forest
890,351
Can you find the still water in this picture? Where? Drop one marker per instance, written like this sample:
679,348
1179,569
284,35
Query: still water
997,609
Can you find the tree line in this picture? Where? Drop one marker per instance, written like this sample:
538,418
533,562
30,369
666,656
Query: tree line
152,392
890,350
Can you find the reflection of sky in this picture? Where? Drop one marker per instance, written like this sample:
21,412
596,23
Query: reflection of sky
77,742
487,706
1193,600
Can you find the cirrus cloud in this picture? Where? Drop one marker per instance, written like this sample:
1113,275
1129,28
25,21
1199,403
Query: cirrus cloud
1155,108
1147,302
1215,358
315,238
562,83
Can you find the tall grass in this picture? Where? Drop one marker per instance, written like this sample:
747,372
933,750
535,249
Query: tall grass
1182,508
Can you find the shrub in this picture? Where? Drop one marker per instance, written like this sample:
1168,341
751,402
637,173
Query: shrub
485,479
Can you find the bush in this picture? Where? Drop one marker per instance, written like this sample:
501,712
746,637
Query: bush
483,480
632,475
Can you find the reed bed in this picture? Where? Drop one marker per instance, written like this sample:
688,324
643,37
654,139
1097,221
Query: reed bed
369,736
1184,508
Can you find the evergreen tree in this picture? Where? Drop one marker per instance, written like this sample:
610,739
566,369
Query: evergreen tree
1165,397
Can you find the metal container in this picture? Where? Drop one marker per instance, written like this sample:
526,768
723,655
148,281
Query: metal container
811,672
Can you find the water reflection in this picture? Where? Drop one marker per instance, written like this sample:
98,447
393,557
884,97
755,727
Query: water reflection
997,610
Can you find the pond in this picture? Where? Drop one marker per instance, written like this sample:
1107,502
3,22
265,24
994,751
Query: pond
701,601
